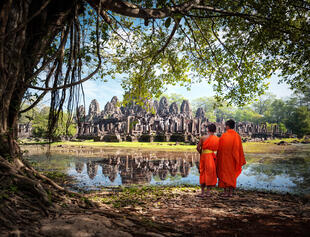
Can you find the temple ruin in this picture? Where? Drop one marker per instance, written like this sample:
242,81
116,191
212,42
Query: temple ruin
161,121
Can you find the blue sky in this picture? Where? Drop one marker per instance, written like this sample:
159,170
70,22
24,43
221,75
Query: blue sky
104,91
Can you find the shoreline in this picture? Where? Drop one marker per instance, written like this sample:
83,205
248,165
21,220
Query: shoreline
273,146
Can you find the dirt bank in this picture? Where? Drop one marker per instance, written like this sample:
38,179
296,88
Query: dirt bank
173,211
248,213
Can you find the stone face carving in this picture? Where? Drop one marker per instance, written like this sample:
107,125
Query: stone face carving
174,109
200,113
163,108
155,105
186,109
114,100
94,108
111,109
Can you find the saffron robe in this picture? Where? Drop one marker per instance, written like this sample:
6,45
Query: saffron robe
207,166
230,159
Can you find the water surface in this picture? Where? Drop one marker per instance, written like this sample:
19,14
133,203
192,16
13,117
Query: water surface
282,172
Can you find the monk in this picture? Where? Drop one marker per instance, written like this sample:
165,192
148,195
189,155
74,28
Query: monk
206,147
230,159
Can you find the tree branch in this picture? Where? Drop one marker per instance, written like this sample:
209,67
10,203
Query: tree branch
34,103
65,86
132,10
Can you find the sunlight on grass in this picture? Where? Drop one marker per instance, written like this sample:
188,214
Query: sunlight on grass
249,147
269,146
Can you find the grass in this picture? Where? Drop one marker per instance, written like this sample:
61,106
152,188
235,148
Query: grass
249,147
139,196
142,145
277,140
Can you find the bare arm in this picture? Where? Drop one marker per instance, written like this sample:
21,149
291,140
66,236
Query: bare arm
198,148
199,145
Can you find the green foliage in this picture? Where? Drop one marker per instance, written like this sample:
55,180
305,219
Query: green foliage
224,111
247,114
39,121
235,53
209,104
276,112
303,95
299,121
262,104
288,114
174,97
29,115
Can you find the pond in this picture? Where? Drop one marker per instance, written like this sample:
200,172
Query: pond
91,169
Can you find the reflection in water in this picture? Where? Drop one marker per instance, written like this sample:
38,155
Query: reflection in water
135,170
288,172
79,167
92,169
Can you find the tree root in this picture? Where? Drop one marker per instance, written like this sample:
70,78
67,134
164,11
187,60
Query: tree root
27,196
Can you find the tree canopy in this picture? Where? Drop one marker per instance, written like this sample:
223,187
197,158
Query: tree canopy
54,46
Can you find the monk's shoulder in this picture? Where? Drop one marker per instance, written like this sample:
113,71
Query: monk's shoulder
224,135
204,137
216,137
236,134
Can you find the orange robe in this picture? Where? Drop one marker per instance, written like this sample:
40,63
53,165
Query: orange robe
207,166
230,159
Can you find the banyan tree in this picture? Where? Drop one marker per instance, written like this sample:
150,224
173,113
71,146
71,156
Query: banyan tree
49,48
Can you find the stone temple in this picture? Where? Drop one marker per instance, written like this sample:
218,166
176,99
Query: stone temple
161,121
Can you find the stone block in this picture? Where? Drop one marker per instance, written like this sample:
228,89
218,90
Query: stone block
159,138
111,138
146,138
177,137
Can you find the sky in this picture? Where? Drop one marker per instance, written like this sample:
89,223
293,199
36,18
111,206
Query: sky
104,91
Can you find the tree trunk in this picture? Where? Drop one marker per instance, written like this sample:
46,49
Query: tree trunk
24,42
23,45
11,73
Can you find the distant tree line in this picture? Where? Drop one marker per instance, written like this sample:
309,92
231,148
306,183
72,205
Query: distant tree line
292,113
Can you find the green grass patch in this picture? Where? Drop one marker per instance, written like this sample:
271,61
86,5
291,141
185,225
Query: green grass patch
140,196
249,147
288,140
142,145
269,146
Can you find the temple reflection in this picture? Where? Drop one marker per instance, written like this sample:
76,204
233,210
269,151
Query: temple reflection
92,169
79,167
137,169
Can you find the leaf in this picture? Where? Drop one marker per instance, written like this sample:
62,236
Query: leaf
168,22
